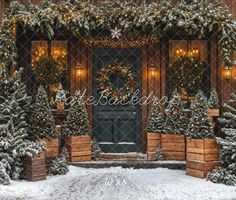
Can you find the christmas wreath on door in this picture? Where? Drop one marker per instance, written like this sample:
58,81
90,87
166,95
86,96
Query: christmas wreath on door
109,90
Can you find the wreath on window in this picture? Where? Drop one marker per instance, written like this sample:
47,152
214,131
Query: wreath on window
187,72
108,88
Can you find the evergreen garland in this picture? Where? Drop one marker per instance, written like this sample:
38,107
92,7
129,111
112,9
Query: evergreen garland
197,18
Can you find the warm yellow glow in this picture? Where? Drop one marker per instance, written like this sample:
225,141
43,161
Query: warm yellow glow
227,73
193,53
39,50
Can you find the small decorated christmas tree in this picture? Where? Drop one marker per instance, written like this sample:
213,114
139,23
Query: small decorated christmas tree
156,118
176,120
59,165
158,155
41,120
199,126
60,95
213,101
96,150
77,122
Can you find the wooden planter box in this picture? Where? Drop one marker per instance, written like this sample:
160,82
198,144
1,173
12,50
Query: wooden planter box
173,146
213,112
60,106
52,146
202,157
79,148
34,168
153,142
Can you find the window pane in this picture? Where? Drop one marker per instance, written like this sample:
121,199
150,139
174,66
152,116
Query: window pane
188,70
59,53
39,50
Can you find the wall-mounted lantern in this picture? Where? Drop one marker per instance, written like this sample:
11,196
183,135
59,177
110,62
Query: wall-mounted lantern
227,73
152,69
79,70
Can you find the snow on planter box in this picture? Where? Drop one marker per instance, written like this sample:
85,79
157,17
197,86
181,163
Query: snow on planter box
153,143
34,168
79,148
202,157
173,146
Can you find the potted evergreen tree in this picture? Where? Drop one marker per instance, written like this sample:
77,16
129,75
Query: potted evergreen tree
42,124
77,131
202,150
173,135
213,104
154,127
60,98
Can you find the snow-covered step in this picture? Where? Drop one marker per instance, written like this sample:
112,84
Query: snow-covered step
137,164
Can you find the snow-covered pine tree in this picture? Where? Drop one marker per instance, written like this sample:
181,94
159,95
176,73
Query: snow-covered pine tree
41,120
77,122
158,155
4,177
228,120
14,143
59,165
199,126
176,120
155,121
96,150
213,101
227,174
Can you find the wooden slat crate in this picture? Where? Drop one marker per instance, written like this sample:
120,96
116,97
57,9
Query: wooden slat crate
153,142
79,148
52,146
34,168
202,157
213,112
173,146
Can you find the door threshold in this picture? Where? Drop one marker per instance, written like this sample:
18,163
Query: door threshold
122,156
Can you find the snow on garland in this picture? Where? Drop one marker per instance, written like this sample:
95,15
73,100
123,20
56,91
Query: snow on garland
197,18
107,88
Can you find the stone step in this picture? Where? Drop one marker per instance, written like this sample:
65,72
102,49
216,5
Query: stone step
136,164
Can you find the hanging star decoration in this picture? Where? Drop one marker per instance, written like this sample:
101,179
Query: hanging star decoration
116,33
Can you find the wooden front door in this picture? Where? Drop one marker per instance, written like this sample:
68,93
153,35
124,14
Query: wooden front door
117,128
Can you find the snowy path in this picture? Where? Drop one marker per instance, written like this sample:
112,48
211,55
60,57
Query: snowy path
118,184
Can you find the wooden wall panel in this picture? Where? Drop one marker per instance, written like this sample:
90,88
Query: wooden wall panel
2,8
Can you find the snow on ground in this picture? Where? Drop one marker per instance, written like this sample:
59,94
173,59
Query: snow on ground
118,184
